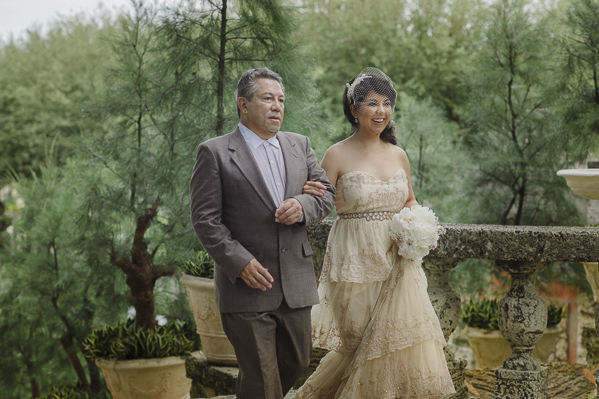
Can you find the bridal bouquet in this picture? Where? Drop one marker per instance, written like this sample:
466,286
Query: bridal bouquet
416,231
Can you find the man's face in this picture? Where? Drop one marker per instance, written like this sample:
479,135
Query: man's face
264,114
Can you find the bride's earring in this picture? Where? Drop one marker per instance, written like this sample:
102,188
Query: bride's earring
356,120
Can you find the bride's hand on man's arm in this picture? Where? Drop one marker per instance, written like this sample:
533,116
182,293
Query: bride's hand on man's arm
314,188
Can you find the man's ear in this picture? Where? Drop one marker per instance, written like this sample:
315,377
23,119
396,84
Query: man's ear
242,103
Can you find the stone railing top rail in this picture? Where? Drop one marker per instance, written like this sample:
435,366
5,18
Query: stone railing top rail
519,243
512,243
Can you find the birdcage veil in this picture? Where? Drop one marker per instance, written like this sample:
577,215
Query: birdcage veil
357,90
369,80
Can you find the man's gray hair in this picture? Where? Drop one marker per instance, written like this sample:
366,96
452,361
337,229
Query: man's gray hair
247,87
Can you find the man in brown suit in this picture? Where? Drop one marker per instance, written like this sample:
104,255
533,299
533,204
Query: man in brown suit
249,213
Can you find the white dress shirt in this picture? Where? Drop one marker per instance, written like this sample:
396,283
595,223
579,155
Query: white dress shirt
269,157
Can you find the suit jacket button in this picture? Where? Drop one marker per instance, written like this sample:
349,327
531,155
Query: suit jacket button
284,249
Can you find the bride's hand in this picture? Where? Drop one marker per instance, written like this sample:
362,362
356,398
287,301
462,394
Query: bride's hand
314,188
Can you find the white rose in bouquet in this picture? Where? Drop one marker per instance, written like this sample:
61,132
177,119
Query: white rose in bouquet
416,231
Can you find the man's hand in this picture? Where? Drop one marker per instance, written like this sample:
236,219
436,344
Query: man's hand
289,212
256,276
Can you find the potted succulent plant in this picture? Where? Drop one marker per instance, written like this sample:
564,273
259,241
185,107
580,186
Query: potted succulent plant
141,362
72,391
590,341
489,347
199,283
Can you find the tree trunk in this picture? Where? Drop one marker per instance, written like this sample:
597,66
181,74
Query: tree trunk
94,376
71,350
35,388
142,295
522,195
140,270
220,83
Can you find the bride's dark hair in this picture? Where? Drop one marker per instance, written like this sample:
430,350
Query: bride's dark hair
379,85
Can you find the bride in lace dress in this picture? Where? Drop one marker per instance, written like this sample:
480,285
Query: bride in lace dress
374,315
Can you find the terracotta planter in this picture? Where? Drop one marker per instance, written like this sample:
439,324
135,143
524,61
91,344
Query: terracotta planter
162,378
215,344
490,349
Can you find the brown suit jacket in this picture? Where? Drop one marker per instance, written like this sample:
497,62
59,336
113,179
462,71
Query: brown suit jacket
232,213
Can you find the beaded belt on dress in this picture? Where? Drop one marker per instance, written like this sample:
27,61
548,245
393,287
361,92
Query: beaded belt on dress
382,215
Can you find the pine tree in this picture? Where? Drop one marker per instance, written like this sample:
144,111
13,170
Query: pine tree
436,165
513,134
208,45
52,294
580,78
134,174
45,79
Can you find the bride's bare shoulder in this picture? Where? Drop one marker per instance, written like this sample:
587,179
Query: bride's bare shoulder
402,156
337,150
336,159
399,152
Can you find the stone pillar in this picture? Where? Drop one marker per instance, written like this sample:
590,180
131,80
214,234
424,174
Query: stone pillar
522,322
447,304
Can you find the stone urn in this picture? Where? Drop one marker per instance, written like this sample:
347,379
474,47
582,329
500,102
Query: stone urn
490,349
161,378
584,182
592,271
202,301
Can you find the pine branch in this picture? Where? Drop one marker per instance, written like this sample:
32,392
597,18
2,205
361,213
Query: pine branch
156,274
247,59
124,264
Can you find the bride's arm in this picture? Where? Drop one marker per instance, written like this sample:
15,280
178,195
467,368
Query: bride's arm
411,201
329,164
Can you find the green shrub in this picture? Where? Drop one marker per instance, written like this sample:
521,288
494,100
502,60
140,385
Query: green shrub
484,314
554,315
481,313
73,391
201,265
127,340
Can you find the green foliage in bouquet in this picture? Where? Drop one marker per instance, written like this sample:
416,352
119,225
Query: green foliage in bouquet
127,340
484,314
201,265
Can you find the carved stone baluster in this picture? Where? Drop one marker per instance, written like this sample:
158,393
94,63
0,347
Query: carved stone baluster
522,321
448,307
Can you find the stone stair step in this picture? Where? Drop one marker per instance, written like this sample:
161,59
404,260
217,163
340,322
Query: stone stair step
565,381
290,395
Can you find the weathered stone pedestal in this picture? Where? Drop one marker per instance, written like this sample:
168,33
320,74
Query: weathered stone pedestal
514,384
522,322
447,304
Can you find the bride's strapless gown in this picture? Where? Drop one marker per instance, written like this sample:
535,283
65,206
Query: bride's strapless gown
374,315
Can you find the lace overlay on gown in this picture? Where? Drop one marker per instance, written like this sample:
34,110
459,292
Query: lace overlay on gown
374,315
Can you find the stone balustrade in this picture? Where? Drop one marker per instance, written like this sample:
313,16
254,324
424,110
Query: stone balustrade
522,251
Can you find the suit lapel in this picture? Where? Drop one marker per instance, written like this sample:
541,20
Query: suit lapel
242,155
293,162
